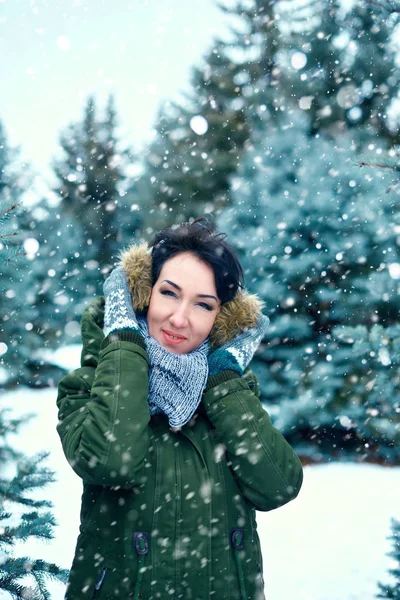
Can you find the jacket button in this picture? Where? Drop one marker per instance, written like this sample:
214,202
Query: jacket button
141,542
237,538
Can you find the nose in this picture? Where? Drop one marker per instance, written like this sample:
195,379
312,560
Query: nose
179,318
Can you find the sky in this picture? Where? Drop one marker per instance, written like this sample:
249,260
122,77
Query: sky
61,51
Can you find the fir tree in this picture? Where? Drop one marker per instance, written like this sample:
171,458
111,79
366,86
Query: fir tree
56,293
20,475
385,7
393,591
92,182
10,202
45,298
199,142
33,312
340,67
317,238
13,178
23,518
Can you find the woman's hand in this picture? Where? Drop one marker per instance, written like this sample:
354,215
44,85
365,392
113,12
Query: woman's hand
118,313
237,353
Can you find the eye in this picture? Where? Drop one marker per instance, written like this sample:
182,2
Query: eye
167,292
206,306
203,304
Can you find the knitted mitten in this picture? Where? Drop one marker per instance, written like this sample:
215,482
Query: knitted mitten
118,311
237,353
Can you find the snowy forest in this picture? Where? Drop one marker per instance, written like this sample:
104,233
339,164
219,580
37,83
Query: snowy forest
290,140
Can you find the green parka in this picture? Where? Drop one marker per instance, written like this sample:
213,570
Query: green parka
167,512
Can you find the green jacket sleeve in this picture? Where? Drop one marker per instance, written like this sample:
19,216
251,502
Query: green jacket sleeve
268,471
103,409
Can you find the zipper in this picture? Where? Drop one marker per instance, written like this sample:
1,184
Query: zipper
99,581
178,487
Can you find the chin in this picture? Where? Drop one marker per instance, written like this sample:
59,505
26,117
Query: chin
176,349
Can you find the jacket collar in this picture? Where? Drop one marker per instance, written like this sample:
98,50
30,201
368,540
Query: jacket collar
234,317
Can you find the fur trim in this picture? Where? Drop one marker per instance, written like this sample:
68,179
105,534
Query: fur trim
136,261
234,317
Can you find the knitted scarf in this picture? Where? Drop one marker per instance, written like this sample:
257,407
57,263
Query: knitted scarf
176,381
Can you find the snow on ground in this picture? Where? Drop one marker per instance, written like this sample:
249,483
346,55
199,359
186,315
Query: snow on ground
328,544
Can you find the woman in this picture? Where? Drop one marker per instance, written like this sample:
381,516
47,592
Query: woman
164,425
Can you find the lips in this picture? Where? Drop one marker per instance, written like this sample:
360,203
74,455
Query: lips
170,340
180,337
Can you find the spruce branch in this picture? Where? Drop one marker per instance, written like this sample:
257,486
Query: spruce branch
16,568
388,6
392,162
6,212
9,252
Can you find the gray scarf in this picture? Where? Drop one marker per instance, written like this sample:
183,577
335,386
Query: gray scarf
176,381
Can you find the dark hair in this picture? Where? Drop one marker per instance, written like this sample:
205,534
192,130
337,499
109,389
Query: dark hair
200,238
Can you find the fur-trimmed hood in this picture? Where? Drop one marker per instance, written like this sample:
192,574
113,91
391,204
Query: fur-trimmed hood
234,317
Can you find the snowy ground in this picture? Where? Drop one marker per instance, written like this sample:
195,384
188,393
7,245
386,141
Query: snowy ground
329,544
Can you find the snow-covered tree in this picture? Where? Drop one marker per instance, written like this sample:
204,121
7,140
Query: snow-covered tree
385,7
57,290
199,141
339,65
13,264
23,517
92,174
37,304
318,238
11,188
393,591
35,313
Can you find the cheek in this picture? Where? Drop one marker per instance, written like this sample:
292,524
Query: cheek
153,306
152,313
207,324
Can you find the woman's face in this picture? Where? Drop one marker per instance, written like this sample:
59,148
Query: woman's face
183,302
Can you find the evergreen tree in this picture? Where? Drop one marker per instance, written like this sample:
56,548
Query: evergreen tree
23,517
199,143
74,244
92,184
20,339
19,475
13,178
340,67
55,294
393,591
348,82
10,201
32,309
386,7
39,304
318,240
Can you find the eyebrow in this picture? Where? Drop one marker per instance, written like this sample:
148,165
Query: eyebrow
175,285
